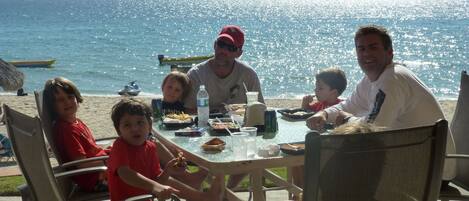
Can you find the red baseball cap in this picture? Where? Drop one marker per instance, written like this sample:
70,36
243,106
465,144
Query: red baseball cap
233,34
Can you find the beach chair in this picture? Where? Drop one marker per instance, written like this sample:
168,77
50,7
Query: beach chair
399,165
460,129
28,144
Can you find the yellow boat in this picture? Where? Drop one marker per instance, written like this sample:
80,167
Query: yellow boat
33,63
182,60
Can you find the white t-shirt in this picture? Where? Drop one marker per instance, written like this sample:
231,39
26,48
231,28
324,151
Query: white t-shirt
396,100
226,90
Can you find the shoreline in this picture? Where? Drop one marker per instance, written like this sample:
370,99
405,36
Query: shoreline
95,110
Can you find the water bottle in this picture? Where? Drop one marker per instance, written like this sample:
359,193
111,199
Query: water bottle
202,106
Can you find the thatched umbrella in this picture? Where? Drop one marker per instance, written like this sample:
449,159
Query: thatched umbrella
10,78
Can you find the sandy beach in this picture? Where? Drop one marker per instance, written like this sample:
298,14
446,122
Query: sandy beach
95,111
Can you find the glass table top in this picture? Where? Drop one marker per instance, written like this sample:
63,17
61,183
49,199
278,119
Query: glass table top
289,131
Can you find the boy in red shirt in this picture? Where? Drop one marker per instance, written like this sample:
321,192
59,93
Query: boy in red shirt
330,83
133,166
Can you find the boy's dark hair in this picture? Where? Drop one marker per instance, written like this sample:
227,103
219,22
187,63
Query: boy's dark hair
51,88
129,106
334,78
375,29
182,78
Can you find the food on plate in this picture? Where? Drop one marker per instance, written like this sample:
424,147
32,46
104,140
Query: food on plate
293,146
215,144
238,109
177,118
299,113
223,125
180,161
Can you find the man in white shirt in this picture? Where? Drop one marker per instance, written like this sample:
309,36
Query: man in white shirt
389,94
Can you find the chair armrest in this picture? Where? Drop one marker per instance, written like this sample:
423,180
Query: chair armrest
80,171
140,197
149,196
86,160
107,138
463,156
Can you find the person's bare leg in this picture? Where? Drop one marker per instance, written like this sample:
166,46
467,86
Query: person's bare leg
191,194
298,174
234,180
298,178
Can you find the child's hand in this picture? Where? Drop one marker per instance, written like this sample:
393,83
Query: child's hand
163,192
176,166
306,101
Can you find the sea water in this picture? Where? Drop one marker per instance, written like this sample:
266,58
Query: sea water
101,45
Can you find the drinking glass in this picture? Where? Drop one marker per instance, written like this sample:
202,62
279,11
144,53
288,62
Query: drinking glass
239,145
251,140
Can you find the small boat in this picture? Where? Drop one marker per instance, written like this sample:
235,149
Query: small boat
33,63
131,89
182,60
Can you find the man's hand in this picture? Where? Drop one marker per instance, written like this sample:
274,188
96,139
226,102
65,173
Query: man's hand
163,192
342,118
317,121
306,101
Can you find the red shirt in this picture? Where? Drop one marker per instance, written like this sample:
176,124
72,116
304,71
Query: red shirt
75,140
318,106
142,159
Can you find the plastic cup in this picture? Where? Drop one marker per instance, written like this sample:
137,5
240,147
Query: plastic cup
251,140
252,96
239,145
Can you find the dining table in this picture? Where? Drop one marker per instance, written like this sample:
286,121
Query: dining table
225,163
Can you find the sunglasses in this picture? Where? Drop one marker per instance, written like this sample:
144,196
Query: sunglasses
229,47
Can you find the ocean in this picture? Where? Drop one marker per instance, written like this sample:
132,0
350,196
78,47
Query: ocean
101,45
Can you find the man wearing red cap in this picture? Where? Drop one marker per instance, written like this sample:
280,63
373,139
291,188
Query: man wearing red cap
224,76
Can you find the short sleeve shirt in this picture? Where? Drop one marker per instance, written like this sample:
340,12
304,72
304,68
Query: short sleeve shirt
222,91
74,140
142,159
318,106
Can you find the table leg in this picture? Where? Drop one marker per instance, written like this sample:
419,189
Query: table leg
256,183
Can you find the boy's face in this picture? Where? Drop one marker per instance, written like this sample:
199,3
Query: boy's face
66,105
172,91
134,129
324,92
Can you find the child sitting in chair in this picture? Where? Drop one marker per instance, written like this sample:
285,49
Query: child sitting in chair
330,83
73,138
175,87
133,166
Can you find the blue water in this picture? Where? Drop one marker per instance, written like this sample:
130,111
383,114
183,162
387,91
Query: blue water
103,44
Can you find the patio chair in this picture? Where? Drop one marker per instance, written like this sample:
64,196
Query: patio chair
404,164
30,150
460,129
